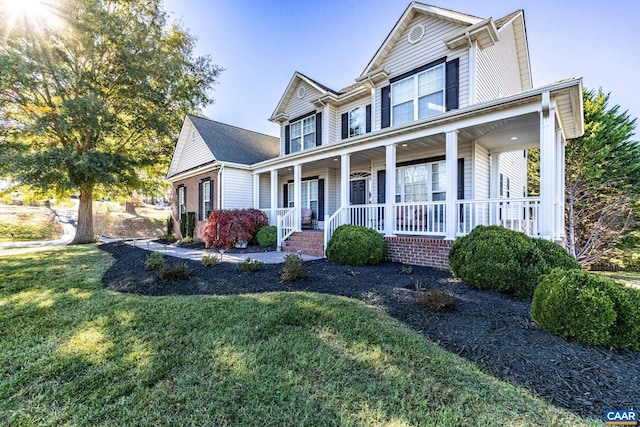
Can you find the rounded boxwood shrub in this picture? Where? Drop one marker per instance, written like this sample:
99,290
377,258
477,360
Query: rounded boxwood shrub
267,236
356,245
493,257
589,309
555,256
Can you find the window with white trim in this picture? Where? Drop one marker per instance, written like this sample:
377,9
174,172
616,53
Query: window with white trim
308,193
421,183
357,121
418,96
182,203
207,205
303,134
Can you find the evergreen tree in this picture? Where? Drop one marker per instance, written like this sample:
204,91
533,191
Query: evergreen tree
602,179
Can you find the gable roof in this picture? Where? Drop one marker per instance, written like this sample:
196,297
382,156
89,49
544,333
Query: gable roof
410,12
227,144
233,144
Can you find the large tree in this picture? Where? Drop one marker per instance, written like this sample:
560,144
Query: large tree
602,179
92,99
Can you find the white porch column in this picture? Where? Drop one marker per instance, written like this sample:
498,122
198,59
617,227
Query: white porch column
494,186
345,174
297,194
390,190
547,168
256,191
558,229
451,155
274,197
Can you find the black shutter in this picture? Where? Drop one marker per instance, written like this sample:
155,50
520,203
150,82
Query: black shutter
211,197
382,186
200,213
385,110
368,118
452,74
285,196
321,200
287,140
319,129
345,125
460,179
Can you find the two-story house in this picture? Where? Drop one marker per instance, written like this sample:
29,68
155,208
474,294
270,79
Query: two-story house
430,141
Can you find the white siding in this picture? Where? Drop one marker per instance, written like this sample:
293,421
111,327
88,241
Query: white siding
498,68
298,106
359,102
237,188
404,57
334,126
481,170
513,165
265,191
194,152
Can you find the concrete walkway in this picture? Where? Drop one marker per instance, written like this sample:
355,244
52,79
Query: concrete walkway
196,255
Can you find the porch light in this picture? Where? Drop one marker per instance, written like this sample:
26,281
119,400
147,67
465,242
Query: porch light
336,159
513,138
405,145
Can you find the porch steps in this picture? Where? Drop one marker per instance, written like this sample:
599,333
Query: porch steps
307,242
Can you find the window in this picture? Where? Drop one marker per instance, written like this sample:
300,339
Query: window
182,202
303,134
357,121
421,183
309,195
207,205
418,96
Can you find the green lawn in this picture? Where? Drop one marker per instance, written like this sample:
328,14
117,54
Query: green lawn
630,278
72,353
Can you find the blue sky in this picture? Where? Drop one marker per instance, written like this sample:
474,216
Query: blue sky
262,43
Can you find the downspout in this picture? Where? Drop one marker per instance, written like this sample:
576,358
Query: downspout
220,207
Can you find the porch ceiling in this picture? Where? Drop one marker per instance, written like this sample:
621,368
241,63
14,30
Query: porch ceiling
518,133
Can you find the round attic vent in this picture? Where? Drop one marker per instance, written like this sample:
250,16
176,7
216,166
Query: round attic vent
301,92
416,34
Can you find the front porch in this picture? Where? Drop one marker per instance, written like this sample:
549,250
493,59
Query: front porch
430,179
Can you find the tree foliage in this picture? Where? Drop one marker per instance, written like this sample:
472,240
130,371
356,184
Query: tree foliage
94,101
602,179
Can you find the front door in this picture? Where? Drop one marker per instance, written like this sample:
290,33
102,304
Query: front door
358,192
358,197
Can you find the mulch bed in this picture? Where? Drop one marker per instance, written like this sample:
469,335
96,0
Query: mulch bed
489,328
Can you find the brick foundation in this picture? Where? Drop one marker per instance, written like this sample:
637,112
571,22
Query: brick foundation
425,251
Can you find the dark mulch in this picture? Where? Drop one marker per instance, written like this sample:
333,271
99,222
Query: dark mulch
250,249
489,328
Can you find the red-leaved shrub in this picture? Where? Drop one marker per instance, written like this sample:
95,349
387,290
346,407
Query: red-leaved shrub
228,226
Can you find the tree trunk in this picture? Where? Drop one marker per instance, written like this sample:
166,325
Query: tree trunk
84,231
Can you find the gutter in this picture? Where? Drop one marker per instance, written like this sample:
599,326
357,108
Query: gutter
440,119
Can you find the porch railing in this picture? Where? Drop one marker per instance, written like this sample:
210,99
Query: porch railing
420,218
519,214
331,223
272,214
286,225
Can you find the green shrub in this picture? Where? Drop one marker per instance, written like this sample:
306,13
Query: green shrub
170,225
589,309
555,256
210,260
267,236
186,240
292,268
436,300
496,258
155,261
356,245
174,272
169,238
406,269
191,224
250,265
